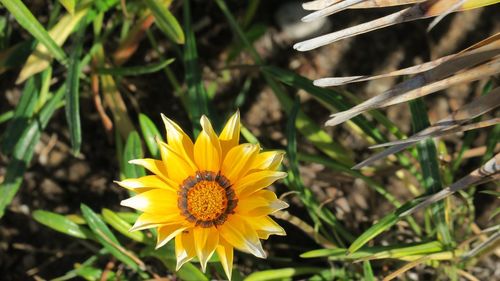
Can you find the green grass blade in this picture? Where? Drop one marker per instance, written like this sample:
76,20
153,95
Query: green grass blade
108,239
62,224
23,151
282,273
28,21
135,70
429,164
492,141
133,150
382,225
22,115
73,90
16,55
304,124
69,5
6,116
167,256
149,133
197,94
167,23
331,99
122,226
305,194
367,271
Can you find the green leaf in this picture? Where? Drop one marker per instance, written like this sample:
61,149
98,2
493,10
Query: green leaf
69,5
22,115
122,226
282,273
135,70
73,90
23,151
367,271
166,21
28,21
304,124
166,255
382,225
62,224
108,239
149,133
133,150
197,102
429,164
16,55
399,251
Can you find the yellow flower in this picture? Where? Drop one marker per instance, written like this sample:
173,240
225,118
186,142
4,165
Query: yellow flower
209,195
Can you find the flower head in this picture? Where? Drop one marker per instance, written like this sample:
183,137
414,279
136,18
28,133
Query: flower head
210,196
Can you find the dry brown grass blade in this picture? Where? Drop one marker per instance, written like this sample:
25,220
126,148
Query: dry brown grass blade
338,81
418,11
446,131
321,4
488,172
318,4
421,85
406,267
128,47
490,43
455,129
467,112
330,10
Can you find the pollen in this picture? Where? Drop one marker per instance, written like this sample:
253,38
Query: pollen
206,199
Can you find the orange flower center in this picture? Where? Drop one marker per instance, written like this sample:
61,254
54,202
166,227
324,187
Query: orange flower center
206,199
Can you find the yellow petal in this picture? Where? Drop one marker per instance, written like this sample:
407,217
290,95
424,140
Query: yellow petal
180,142
167,232
238,161
205,241
230,136
147,220
177,167
207,149
147,183
268,160
184,247
256,181
241,235
266,226
261,203
225,253
154,166
161,201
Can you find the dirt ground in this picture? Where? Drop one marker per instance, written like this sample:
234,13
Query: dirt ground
59,182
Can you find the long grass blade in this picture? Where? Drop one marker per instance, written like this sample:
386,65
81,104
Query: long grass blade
198,97
282,273
467,112
28,21
418,11
415,88
135,70
22,115
24,149
487,172
108,239
73,91
166,21
62,224
428,159
41,58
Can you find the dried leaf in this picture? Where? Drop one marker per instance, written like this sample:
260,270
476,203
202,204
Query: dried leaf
487,172
421,85
467,112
